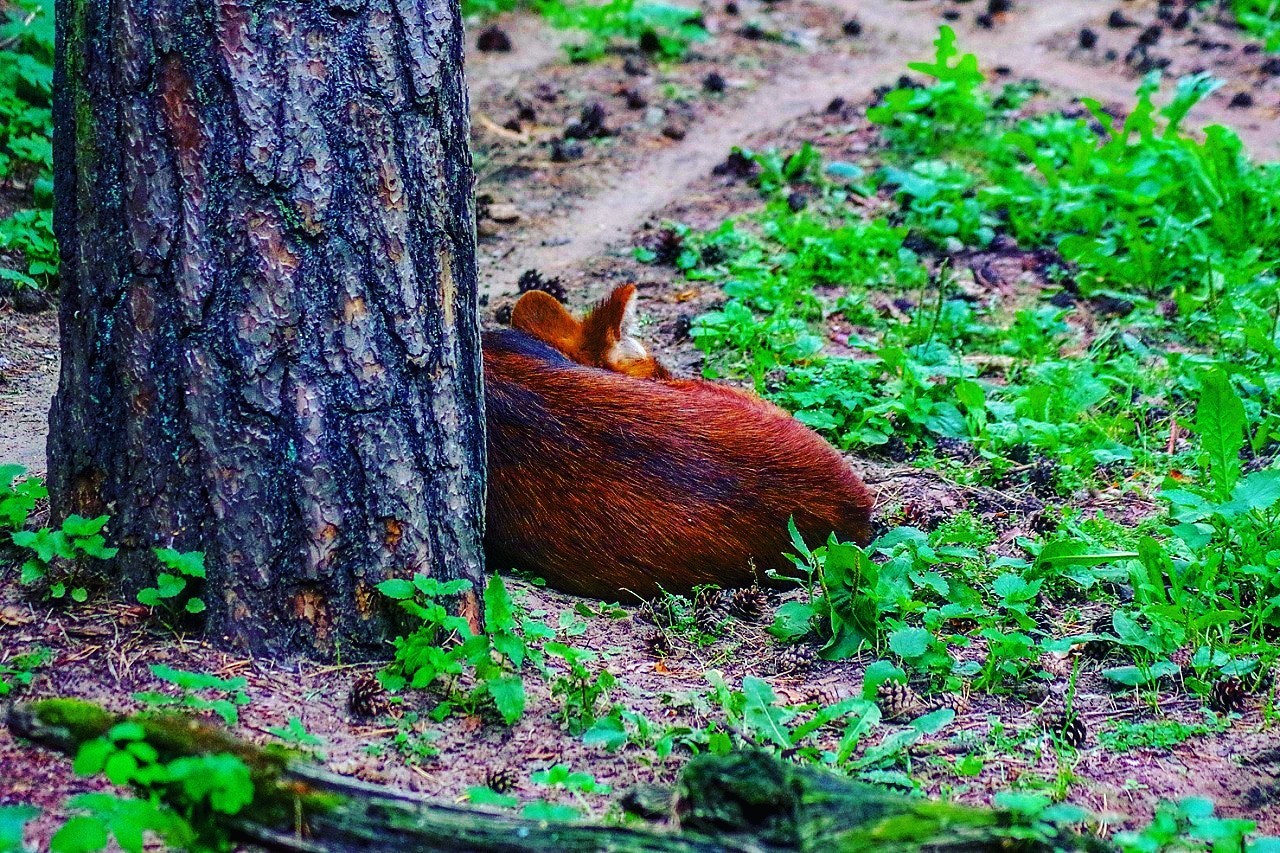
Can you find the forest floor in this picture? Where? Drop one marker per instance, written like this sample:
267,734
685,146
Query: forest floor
772,76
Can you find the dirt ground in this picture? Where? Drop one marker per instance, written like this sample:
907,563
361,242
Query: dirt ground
578,219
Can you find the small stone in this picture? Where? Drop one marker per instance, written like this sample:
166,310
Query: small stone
505,213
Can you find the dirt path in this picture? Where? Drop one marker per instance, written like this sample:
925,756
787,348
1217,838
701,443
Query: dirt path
1026,42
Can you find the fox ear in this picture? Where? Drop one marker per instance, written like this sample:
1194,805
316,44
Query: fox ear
611,321
540,314
609,341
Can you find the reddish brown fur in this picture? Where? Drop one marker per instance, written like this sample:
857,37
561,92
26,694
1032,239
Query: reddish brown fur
604,484
601,339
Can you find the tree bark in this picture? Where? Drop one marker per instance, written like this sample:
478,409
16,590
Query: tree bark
270,343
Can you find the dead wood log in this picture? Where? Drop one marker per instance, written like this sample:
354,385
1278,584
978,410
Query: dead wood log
744,801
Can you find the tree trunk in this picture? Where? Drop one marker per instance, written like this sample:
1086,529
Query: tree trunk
270,343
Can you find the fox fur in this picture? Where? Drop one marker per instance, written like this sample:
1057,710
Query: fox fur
609,478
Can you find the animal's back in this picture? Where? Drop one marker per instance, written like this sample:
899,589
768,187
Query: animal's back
603,483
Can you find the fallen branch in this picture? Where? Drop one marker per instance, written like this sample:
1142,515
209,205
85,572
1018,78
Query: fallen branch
744,801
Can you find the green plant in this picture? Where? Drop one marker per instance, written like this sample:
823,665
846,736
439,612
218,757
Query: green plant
26,150
19,670
1260,17
842,609
474,670
1191,825
665,30
579,689
198,786
18,496
58,556
295,734
1123,736
13,821
171,584
227,694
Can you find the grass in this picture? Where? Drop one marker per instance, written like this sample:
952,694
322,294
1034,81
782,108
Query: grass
1143,361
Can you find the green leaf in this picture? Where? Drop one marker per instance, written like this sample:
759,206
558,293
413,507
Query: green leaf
1257,492
910,643
13,820
80,834
1132,676
483,796
609,732
550,812
508,696
190,563
793,621
1220,423
762,715
878,673
397,588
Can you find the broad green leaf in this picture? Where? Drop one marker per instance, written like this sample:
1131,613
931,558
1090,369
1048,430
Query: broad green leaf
397,588
1220,423
508,696
762,715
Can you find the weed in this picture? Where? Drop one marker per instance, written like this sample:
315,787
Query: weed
60,558
223,696
194,790
171,584
665,30
474,671
579,689
18,496
26,132
1260,17
19,670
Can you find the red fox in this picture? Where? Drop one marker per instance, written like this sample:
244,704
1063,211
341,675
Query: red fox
608,477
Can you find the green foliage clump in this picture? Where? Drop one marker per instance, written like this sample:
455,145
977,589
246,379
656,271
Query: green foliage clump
476,671
665,30
19,670
59,556
837,311
198,692
26,139
1260,17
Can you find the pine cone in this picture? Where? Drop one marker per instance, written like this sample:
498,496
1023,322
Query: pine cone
533,280
501,780
710,609
656,643
796,658
957,702
1068,726
1099,648
368,698
1043,477
1181,658
502,314
1227,696
748,604
896,699
666,246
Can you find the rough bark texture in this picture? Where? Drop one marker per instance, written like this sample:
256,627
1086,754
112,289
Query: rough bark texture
270,346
